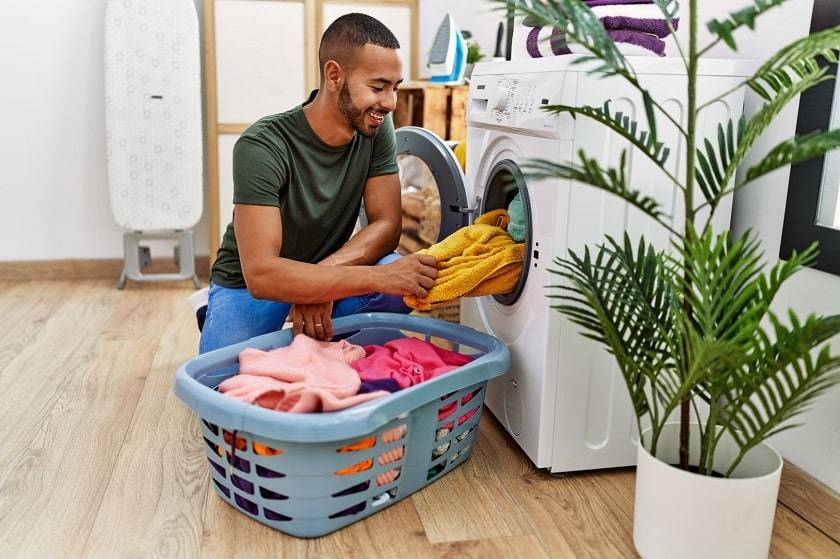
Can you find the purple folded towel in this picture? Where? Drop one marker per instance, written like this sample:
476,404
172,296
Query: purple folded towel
658,27
559,45
643,40
558,42
594,3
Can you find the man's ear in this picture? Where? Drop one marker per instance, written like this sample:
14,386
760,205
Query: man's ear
333,76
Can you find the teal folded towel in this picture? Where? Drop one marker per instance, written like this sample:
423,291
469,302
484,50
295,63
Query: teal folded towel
516,227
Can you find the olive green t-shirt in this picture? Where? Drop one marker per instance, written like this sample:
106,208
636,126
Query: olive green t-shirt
280,161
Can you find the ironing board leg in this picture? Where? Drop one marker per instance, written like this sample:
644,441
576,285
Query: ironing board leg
138,257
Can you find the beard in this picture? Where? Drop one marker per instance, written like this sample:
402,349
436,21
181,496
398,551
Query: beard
354,116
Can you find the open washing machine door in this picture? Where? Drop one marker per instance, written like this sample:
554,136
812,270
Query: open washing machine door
434,200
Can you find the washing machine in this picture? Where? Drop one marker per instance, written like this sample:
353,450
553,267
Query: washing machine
563,400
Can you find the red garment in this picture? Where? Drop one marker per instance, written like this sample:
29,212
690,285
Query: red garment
448,409
409,361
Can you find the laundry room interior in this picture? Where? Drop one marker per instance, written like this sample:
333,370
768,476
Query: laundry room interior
416,278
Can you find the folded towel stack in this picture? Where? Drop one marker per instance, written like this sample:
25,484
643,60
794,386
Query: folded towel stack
636,26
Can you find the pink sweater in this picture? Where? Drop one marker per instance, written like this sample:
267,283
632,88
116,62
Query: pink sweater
409,361
305,376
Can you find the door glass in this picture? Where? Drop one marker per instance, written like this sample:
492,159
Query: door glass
420,205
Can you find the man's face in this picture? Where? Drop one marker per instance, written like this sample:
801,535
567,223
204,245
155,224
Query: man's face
369,91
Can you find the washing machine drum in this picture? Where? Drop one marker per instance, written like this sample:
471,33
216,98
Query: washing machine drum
503,183
434,201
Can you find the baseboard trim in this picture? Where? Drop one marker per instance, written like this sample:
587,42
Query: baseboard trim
811,500
70,269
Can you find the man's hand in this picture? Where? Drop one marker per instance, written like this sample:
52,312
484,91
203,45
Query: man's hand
413,274
313,320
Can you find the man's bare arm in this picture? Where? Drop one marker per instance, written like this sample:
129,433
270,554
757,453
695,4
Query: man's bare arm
268,276
259,237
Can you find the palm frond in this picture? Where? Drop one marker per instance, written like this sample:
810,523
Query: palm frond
755,127
669,9
622,300
795,150
729,294
780,378
621,124
797,60
589,171
724,29
712,164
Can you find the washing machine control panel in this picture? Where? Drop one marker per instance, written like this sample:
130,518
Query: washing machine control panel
513,97
515,101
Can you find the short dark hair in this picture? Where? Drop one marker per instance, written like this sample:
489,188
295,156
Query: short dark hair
349,33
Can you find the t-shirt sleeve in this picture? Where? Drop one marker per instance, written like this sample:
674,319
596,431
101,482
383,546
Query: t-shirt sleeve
258,176
384,158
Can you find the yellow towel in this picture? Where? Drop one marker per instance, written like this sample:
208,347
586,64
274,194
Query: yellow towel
477,260
461,155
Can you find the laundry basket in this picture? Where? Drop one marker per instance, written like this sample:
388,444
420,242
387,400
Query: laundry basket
310,474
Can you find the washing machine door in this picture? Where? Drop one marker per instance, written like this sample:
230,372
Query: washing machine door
434,200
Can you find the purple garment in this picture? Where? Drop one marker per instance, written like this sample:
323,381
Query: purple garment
374,385
639,39
557,41
595,3
658,27
532,42
643,40
559,44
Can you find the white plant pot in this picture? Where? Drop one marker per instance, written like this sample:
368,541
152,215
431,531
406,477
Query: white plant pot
680,514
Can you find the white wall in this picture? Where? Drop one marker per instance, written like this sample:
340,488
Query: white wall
53,183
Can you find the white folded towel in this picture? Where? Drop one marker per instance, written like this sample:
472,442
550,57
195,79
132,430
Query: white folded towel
648,11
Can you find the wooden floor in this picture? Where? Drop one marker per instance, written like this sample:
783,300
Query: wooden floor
99,459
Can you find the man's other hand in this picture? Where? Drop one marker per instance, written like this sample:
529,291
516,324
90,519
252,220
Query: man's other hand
413,274
313,320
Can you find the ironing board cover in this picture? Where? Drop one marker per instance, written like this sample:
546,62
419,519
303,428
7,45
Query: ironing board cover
153,114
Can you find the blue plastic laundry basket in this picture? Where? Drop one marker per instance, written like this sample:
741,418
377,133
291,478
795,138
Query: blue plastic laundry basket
292,471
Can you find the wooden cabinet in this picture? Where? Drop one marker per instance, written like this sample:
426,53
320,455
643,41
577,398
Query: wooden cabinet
441,109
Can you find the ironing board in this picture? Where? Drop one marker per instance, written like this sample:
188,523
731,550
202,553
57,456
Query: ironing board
153,129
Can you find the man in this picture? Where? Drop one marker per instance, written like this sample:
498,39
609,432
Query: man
299,180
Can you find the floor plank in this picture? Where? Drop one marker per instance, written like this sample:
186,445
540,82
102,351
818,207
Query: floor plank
570,515
153,503
794,537
813,501
471,503
25,309
515,546
35,378
54,491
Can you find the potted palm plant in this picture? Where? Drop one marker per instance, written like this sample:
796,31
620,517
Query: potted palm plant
712,372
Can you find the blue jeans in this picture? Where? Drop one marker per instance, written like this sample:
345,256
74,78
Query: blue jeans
234,316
